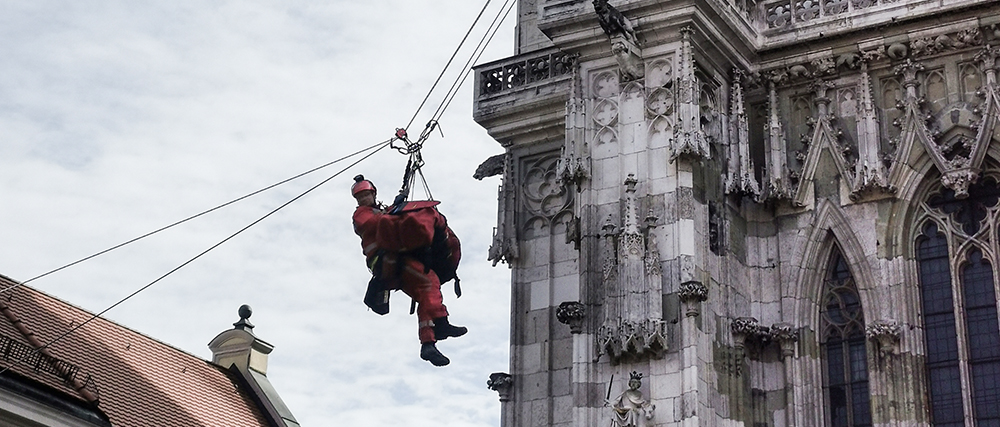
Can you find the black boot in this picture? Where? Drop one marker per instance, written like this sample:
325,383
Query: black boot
443,329
430,353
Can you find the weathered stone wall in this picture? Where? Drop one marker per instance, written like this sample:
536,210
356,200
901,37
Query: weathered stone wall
679,222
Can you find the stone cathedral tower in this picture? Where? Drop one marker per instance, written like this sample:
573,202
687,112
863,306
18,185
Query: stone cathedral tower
749,212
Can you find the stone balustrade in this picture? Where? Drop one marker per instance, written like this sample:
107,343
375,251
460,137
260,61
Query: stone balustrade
783,13
513,73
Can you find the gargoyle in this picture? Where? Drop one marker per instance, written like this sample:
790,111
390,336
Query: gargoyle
613,22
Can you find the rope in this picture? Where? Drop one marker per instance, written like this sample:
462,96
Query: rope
202,213
459,47
185,263
483,42
413,148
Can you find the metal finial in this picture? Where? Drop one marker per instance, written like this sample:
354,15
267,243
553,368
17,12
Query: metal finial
244,323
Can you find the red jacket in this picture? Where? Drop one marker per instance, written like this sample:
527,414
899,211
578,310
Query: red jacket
411,229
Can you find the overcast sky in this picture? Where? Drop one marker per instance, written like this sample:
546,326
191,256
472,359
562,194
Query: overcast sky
117,118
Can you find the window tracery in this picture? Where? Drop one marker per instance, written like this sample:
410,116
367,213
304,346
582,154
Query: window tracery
848,402
956,254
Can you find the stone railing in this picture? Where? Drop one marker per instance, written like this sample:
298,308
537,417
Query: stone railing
782,13
524,70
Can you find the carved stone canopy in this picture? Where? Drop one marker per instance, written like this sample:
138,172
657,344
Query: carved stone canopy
633,326
633,340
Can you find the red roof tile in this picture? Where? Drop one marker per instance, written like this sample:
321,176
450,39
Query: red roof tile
140,381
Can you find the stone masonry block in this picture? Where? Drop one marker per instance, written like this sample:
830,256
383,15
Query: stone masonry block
566,268
562,411
530,358
539,413
611,176
657,160
565,288
627,138
605,150
561,382
539,295
562,251
632,110
536,386
562,353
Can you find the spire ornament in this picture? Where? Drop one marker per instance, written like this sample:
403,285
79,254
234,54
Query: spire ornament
688,138
741,179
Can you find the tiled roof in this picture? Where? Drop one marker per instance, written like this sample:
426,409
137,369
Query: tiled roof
139,381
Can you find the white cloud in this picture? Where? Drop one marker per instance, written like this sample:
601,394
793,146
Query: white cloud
121,117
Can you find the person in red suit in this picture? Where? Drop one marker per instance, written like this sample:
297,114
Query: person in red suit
395,245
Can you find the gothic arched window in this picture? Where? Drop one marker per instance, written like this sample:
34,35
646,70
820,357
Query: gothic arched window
961,326
846,364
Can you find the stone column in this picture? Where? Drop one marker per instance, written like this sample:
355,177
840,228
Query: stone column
691,294
574,313
884,337
502,383
787,337
743,328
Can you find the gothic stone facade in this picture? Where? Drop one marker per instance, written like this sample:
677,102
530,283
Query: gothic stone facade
781,212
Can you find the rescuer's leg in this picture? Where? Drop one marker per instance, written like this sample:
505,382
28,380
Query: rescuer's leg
426,291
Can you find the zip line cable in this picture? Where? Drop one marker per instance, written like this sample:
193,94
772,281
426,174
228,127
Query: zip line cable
189,261
468,70
95,255
413,148
429,92
476,54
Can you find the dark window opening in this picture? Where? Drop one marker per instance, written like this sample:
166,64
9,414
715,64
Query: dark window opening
848,401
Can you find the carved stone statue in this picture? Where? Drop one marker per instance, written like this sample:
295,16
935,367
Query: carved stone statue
613,22
630,409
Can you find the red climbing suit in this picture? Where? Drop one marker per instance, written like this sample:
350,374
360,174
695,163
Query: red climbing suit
395,238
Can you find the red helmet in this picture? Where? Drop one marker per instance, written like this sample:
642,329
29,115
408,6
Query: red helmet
362,184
